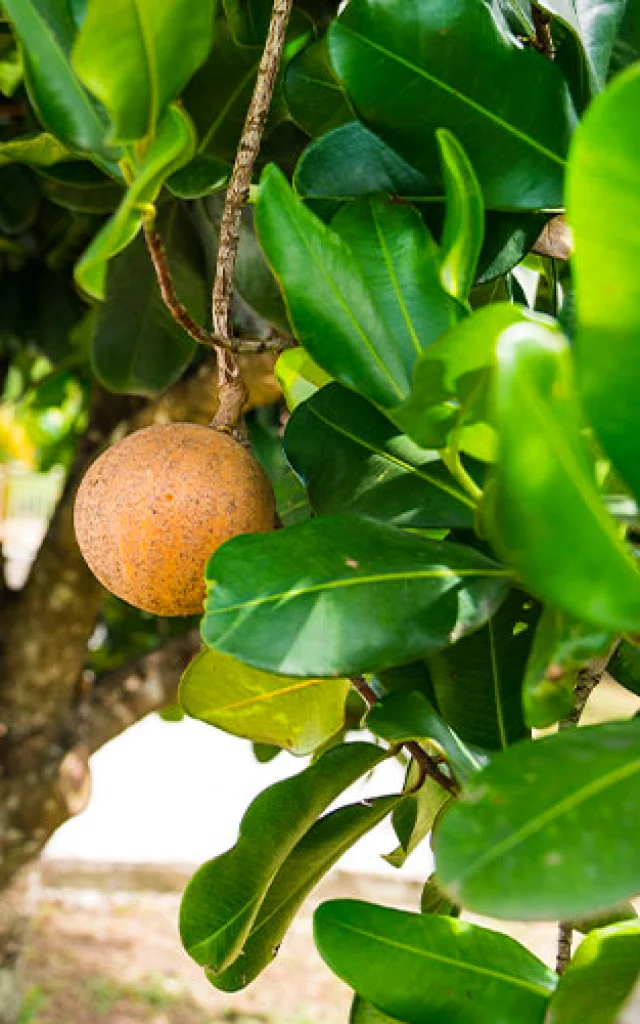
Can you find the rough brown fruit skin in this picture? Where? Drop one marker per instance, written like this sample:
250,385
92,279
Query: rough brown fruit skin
152,509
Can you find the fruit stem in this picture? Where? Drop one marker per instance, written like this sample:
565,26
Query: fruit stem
232,391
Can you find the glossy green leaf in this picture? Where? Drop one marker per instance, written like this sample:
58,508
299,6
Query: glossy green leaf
201,176
434,901
298,376
450,388
527,840
136,56
298,716
401,264
305,866
603,971
413,817
561,647
543,513
47,32
35,150
348,320
386,595
81,187
478,681
19,199
315,98
253,279
264,431
625,666
594,24
223,899
463,231
405,716
403,69
420,968
138,348
248,20
352,459
603,197
171,149
363,1012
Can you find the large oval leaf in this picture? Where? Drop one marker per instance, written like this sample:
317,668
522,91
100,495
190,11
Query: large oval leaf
477,682
298,716
385,597
136,56
594,24
353,459
604,212
549,829
377,300
224,897
47,32
420,968
543,512
404,69
599,978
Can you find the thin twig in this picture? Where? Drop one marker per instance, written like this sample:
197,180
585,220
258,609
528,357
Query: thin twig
181,314
427,766
544,40
588,679
232,389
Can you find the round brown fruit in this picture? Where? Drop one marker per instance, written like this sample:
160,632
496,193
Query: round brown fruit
153,508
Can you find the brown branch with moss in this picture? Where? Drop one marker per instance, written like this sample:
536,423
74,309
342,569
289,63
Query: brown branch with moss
427,766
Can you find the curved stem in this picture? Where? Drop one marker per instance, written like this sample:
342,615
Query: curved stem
451,458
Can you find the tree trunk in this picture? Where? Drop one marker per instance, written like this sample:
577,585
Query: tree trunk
14,916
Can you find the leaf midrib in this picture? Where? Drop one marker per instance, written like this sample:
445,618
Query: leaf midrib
384,454
460,96
532,826
385,940
397,577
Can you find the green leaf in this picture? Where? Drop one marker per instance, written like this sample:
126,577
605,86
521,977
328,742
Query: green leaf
35,150
549,829
47,32
349,319
602,972
450,388
136,56
625,666
594,24
463,231
298,716
314,855
364,1013
603,199
171,149
420,968
478,681
352,459
315,98
434,901
413,817
201,177
542,511
403,68
138,348
19,199
387,596
406,716
561,647
80,187
224,898
292,505
401,264
248,20
298,376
